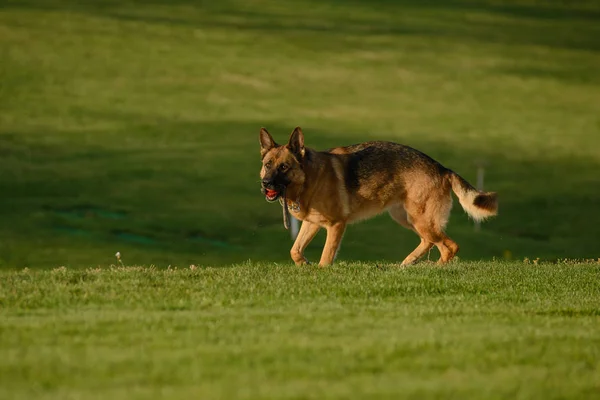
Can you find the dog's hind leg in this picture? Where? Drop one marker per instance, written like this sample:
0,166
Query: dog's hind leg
439,212
429,220
452,246
398,214
307,232
419,252
429,234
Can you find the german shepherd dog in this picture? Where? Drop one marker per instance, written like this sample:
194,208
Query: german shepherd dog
331,189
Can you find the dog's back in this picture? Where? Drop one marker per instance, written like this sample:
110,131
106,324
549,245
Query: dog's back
366,161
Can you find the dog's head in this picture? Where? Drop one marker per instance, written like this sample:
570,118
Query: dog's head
281,165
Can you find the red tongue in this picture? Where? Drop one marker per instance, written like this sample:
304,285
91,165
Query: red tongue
271,193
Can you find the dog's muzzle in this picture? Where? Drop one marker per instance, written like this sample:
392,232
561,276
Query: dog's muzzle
272,192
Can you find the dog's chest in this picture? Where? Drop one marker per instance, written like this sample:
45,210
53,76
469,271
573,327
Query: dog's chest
293,206
303,213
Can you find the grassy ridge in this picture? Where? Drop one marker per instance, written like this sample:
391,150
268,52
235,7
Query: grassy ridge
476,330
132,126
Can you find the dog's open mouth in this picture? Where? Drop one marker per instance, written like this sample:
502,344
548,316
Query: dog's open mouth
271,195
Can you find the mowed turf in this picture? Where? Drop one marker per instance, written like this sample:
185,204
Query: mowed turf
471,330
133,126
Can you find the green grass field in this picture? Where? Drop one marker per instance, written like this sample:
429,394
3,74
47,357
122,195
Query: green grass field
264,331
132,126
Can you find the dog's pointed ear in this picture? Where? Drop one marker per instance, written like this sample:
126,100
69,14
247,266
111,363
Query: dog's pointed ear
266,142
296,143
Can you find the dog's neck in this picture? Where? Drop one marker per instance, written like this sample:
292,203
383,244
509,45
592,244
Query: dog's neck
293,195
293,204
299,197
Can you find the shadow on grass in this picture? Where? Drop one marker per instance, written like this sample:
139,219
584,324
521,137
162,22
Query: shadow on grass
549,25
540,11
203,197
193,186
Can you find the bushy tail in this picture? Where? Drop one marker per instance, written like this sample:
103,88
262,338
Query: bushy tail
479,205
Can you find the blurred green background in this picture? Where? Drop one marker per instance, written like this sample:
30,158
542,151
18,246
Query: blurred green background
132,126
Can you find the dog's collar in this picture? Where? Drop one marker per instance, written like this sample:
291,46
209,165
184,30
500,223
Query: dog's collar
292,205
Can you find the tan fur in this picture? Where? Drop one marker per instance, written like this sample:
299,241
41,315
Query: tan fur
347,184
338,168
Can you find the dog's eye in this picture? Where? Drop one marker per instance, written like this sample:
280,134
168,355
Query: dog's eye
268,165
284,167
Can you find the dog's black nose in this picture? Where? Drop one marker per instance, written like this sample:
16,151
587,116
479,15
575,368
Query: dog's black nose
266,182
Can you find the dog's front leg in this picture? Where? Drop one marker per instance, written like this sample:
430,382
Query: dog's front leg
335,233
307,232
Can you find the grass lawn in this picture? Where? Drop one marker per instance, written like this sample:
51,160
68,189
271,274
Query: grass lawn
132,126
471,330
